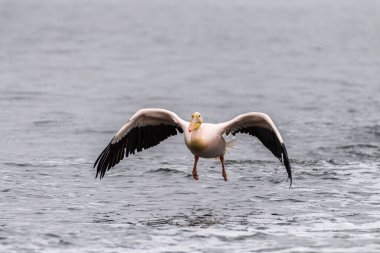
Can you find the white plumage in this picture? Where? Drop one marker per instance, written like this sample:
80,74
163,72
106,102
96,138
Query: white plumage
148,127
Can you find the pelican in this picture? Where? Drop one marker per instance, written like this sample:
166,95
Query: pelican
148,127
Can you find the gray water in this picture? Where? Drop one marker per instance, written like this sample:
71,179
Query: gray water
73,72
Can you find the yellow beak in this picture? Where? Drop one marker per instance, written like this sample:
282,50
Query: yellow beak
194,124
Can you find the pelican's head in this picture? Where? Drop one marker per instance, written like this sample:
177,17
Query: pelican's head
195,121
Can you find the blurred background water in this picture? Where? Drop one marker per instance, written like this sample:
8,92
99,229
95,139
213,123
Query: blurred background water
73,72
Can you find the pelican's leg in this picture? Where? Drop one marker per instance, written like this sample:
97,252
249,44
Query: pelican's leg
195,172
224,173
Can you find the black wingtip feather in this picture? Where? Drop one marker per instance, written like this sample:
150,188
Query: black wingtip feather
270,141
138,139
287,163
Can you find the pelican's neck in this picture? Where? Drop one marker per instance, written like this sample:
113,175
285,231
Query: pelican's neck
196,132
194,141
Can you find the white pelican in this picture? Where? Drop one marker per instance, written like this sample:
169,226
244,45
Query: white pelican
148,127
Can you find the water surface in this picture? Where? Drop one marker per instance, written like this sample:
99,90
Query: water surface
73,72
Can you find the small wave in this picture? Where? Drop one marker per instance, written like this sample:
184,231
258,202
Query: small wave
359,151
160,222
95,131
230,162
370,146
45,122
324,80
286,200
107,221
257,235
199,217
369,132
166,171
50,235
202,221
325,171
22,95
63,242
317,162
49,163
376,130
318,172
20,164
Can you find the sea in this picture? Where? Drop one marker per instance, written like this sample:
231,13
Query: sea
72,72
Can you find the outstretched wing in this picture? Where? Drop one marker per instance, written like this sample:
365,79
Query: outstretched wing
146,128
261,126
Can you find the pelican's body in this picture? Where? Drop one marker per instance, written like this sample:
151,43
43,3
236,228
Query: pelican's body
148,127
206,141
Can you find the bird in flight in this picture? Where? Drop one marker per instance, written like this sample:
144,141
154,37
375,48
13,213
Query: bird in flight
149,127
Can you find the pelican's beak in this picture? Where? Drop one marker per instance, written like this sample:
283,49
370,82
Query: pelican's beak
194,124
